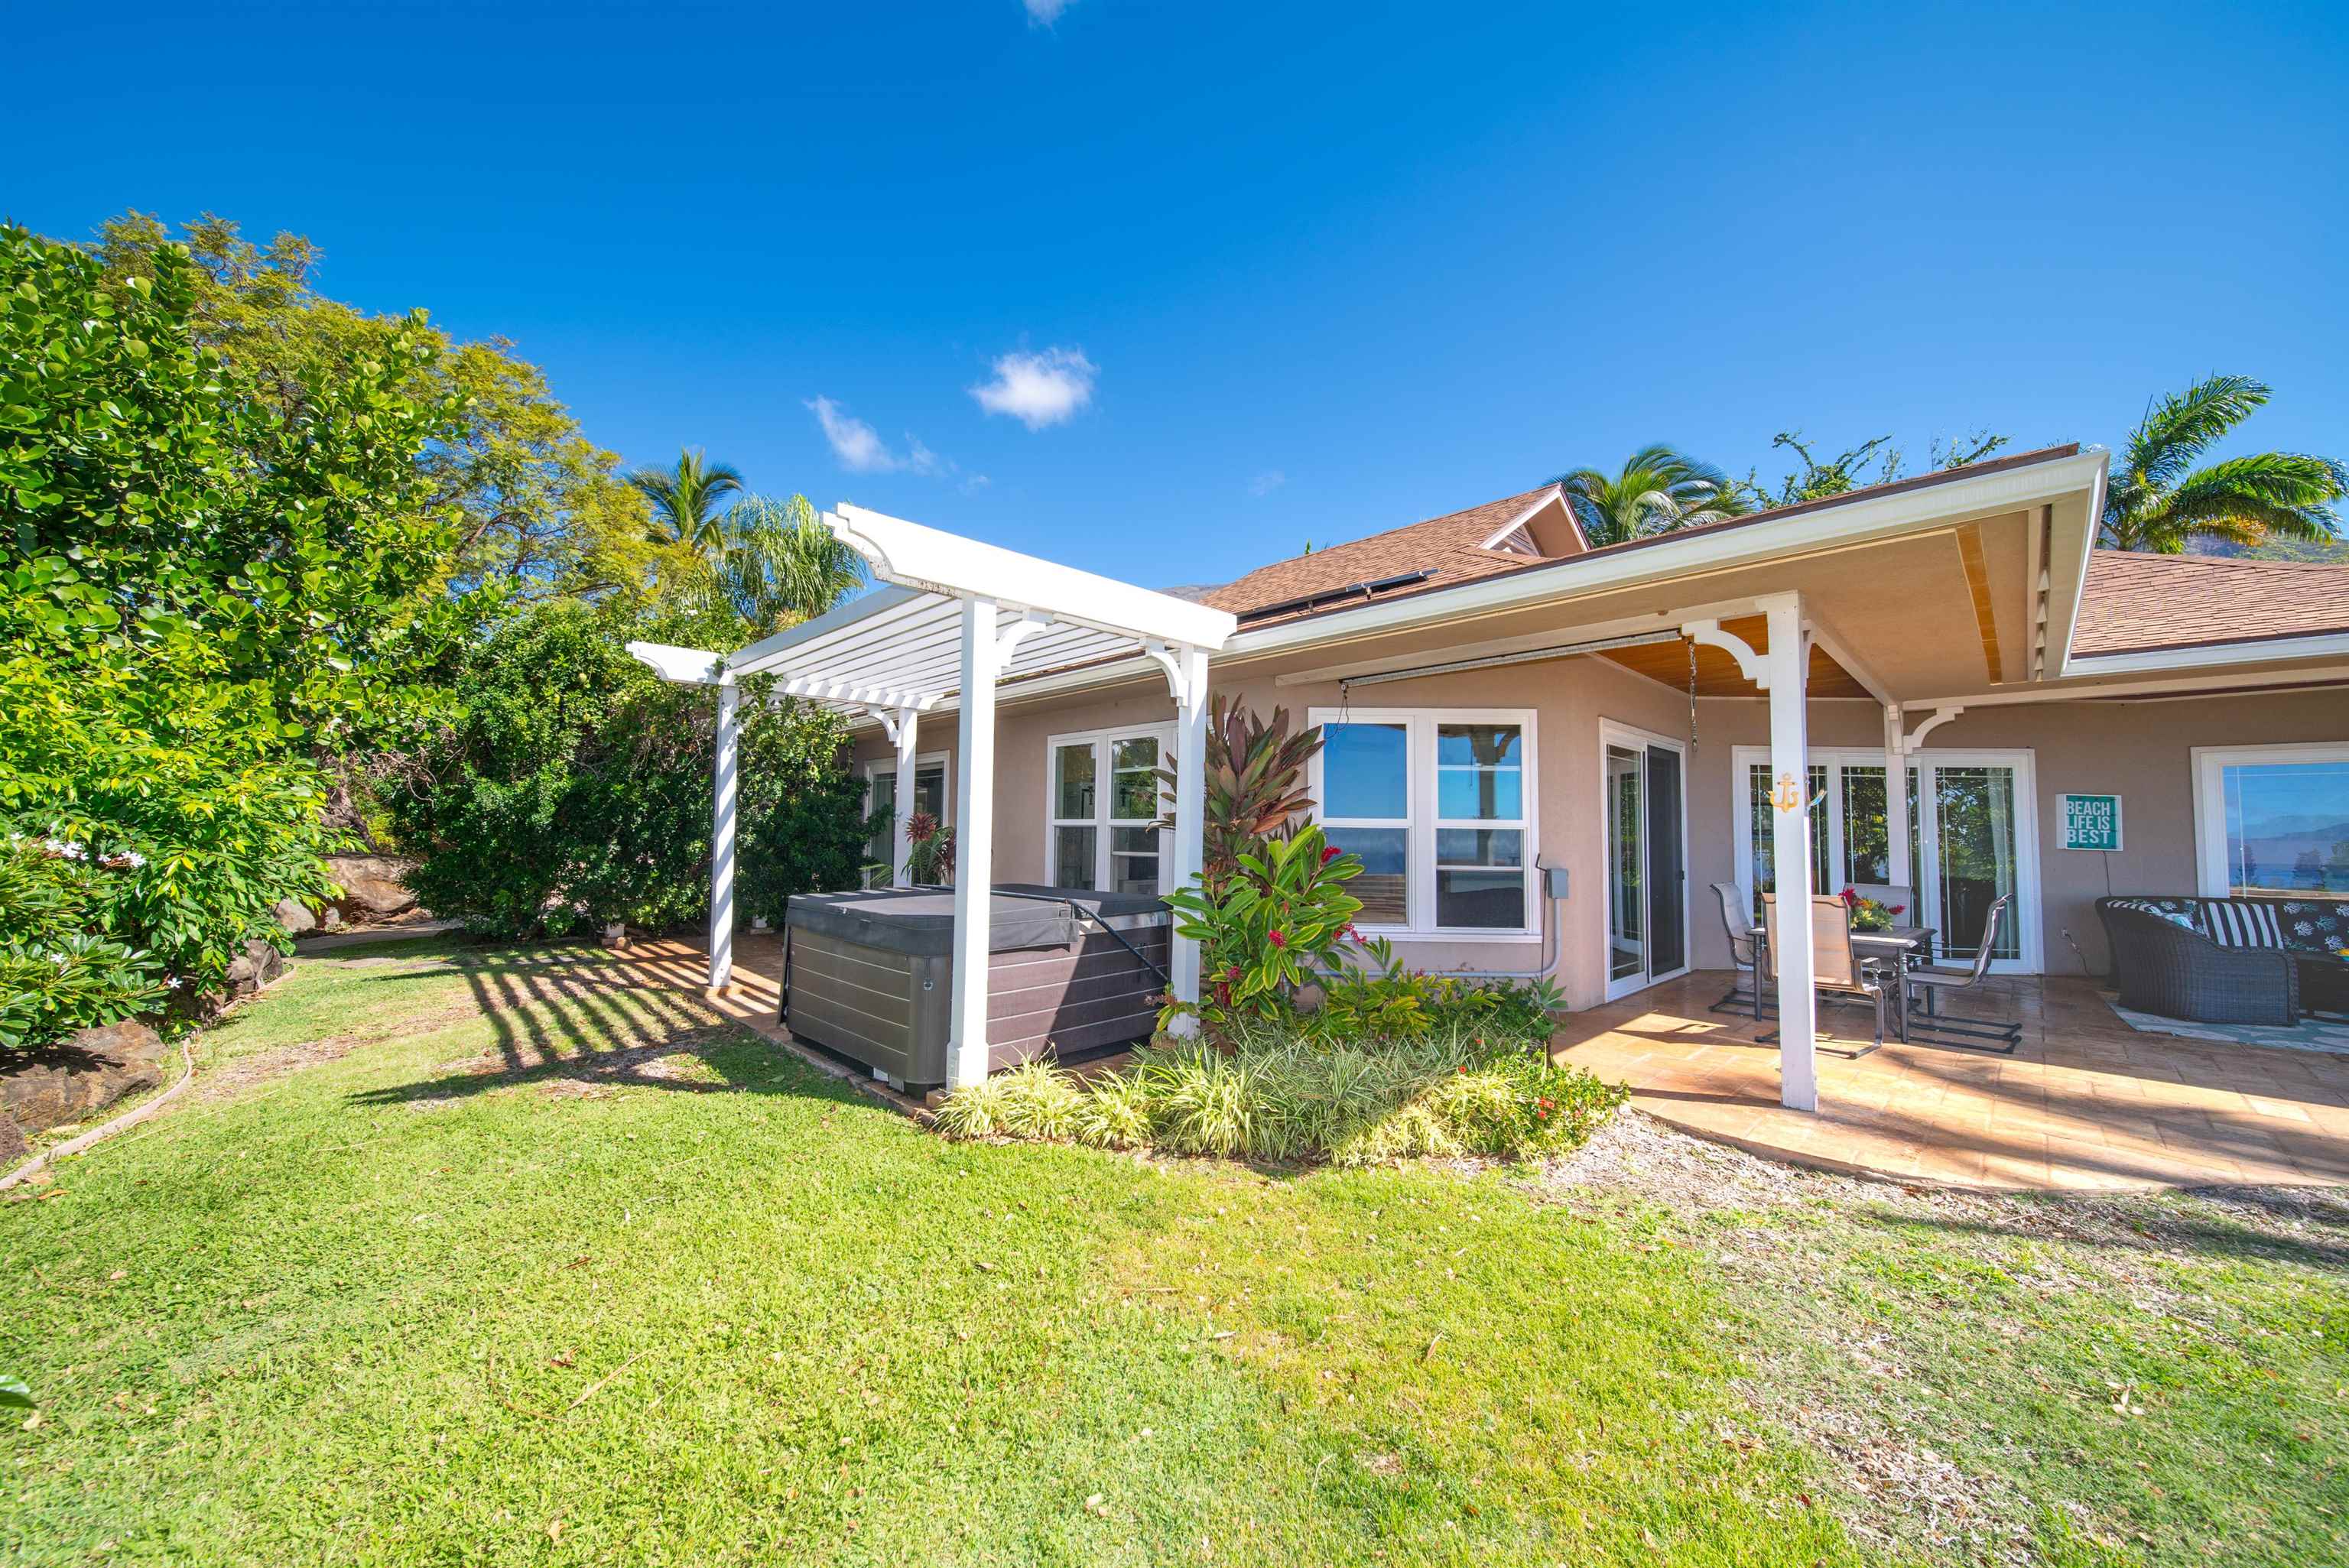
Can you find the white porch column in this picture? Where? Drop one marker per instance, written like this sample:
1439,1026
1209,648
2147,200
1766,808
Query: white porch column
974,846
1190,814
1896,801
721,840
901,851
1790,848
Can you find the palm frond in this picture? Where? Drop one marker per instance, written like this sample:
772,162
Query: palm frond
2178,427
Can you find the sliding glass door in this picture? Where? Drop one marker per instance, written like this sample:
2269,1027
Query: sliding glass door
1972,840
1642,785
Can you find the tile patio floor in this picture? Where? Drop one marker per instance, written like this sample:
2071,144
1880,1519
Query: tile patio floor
2086,1101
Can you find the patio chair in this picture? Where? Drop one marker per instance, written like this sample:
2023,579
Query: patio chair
1745,992
1836,969
1933,980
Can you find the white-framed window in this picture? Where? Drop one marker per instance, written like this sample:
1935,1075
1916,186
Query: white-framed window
1103,793
932,794
1438,802
2273,822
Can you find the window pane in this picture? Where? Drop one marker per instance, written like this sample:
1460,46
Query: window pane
1383,886
1072,856
1478,745
1133,859
1480,847
1135,794
1142,752
929,789
1479,774
2288,828
1492,899
1866,841
885,804
1365,771
1974,808
1073,790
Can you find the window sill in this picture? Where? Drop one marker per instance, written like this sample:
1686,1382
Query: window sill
1470,936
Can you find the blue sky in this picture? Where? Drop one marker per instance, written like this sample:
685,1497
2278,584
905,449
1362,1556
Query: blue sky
1167,290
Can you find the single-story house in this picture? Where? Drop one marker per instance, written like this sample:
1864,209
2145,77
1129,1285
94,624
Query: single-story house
1503,701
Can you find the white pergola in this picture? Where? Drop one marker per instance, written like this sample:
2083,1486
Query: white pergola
953,618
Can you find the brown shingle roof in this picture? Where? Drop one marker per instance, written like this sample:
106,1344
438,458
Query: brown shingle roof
1450,546
2133,602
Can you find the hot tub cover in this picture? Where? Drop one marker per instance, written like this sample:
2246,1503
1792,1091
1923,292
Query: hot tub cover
910,920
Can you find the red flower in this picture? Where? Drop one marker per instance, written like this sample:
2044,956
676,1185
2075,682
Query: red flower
1898,907
1543,1115
1277,940
1850,897
1329,852
1233,973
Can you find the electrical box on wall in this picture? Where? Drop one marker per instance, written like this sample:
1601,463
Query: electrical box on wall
1554,881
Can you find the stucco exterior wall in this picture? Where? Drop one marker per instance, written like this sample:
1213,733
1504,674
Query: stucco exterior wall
1570,700
2141,751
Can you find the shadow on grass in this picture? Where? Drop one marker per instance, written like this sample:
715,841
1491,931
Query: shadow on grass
601,1020
2153,1225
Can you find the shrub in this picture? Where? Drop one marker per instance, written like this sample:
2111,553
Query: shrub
1385,1000
1254,778
1275,1094
55,976
575,788
1269,928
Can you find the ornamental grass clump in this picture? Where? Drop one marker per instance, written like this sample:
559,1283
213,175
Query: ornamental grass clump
1276,1096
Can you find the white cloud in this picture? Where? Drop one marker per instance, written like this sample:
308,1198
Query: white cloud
1044,13
1266,483
857,445
861,449
1039,389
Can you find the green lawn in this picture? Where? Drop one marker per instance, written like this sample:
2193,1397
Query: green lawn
520,1264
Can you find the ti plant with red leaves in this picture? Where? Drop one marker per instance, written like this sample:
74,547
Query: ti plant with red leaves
1256,792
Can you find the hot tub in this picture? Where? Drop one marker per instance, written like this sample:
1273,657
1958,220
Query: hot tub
870,976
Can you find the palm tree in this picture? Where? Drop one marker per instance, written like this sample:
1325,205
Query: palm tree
2154,502
1657,491
685,502
781,566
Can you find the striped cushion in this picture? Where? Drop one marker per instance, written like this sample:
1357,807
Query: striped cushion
2240,922
2159,911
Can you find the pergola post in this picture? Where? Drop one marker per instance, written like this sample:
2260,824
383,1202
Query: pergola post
1899,872
985,652
721,840
905,732
1790,849
974,846
1190,813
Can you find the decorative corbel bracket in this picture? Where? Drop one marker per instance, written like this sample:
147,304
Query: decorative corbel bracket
1750,662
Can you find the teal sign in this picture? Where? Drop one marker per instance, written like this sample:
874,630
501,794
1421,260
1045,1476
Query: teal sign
2091,821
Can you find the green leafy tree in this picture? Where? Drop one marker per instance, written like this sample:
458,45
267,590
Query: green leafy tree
538,509
1656,491
572,788
687,502
208,577
1873,462
2159,501
780,565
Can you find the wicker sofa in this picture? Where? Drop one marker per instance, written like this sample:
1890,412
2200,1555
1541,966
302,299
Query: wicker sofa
2227,960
